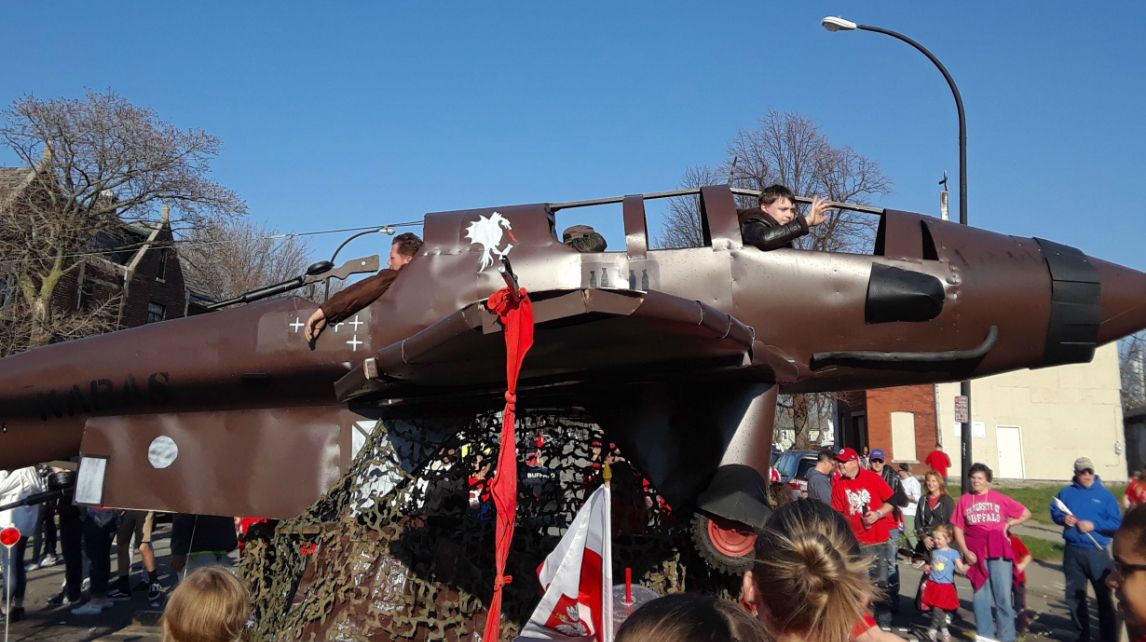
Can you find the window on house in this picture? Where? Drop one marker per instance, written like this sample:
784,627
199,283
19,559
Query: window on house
161,273
86,299
7,289
156,312
903,436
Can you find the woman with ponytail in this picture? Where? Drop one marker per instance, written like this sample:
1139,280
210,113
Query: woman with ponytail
810,580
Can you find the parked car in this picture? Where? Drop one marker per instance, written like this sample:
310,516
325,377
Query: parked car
794,466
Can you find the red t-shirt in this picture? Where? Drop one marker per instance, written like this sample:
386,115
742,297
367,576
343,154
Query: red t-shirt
865,624
1021,551
1136,492
939,462
855,497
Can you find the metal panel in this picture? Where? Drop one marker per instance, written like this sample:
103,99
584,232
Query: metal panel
228,463
636,227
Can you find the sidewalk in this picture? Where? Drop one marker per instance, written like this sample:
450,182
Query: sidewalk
134,619
1039,530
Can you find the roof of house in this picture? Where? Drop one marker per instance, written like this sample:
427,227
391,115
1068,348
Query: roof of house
11,178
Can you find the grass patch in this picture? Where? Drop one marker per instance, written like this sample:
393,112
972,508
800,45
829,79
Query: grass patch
1044,550
1036,498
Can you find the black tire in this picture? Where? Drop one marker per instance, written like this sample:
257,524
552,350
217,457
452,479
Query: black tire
711,552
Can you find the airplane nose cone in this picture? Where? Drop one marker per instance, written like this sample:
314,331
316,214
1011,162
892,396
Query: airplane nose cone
1122,300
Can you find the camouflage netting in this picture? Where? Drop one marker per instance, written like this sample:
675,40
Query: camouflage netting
392,555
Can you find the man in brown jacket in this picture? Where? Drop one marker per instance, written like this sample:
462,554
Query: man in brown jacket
775,223
361,294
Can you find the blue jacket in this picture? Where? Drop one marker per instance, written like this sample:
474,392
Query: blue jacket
1095,504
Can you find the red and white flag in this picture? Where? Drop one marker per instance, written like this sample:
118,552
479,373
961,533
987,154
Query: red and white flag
578,580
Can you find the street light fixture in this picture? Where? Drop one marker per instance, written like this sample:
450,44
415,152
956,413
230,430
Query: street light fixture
836,23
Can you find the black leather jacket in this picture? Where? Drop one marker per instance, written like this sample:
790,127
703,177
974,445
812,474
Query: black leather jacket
761,230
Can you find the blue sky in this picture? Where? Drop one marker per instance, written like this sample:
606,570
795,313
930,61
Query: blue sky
344,114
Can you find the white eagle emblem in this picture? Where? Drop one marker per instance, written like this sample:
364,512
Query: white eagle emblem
858,502
488,232
571,624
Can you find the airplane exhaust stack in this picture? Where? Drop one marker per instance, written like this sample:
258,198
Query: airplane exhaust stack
1123,300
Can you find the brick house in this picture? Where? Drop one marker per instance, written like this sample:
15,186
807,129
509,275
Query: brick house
901,420
136,262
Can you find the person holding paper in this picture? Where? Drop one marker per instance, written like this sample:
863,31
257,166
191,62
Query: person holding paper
1089,515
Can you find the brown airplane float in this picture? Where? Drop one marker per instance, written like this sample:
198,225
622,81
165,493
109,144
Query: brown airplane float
677,353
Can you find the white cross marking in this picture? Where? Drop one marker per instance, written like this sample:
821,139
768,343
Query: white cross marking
356,323
337,326
354,343
296,325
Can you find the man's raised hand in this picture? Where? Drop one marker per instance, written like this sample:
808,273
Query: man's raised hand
315,325
818,213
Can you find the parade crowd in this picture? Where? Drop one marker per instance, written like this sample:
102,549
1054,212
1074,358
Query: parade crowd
825,566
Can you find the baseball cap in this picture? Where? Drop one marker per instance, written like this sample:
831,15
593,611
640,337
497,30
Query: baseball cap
877,454
905,467
1083,463
846,454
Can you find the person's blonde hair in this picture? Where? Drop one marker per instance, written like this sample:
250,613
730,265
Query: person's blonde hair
947,530
810,573
938,478
688,617
209,605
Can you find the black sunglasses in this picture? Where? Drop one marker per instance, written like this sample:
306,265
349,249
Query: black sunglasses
1085,471
1125,568
877,461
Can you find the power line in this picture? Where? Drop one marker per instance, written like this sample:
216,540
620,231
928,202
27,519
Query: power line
270,237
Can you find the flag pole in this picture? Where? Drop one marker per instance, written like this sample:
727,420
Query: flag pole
8,592
607,561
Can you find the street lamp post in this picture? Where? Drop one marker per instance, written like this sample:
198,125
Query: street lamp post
836,23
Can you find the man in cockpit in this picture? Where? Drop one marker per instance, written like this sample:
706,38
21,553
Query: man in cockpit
774,223
361,294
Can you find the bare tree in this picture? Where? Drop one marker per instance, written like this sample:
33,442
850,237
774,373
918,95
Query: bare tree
789,149
808,416
226,258
682,227
1132,370
92,164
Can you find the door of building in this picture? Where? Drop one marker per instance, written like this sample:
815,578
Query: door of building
1009,440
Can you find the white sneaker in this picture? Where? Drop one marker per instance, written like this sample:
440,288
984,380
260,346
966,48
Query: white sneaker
93,607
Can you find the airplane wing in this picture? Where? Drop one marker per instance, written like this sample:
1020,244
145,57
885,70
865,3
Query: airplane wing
587,335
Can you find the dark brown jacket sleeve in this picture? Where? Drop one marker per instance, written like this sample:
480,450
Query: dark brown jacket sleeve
357,296
761,230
